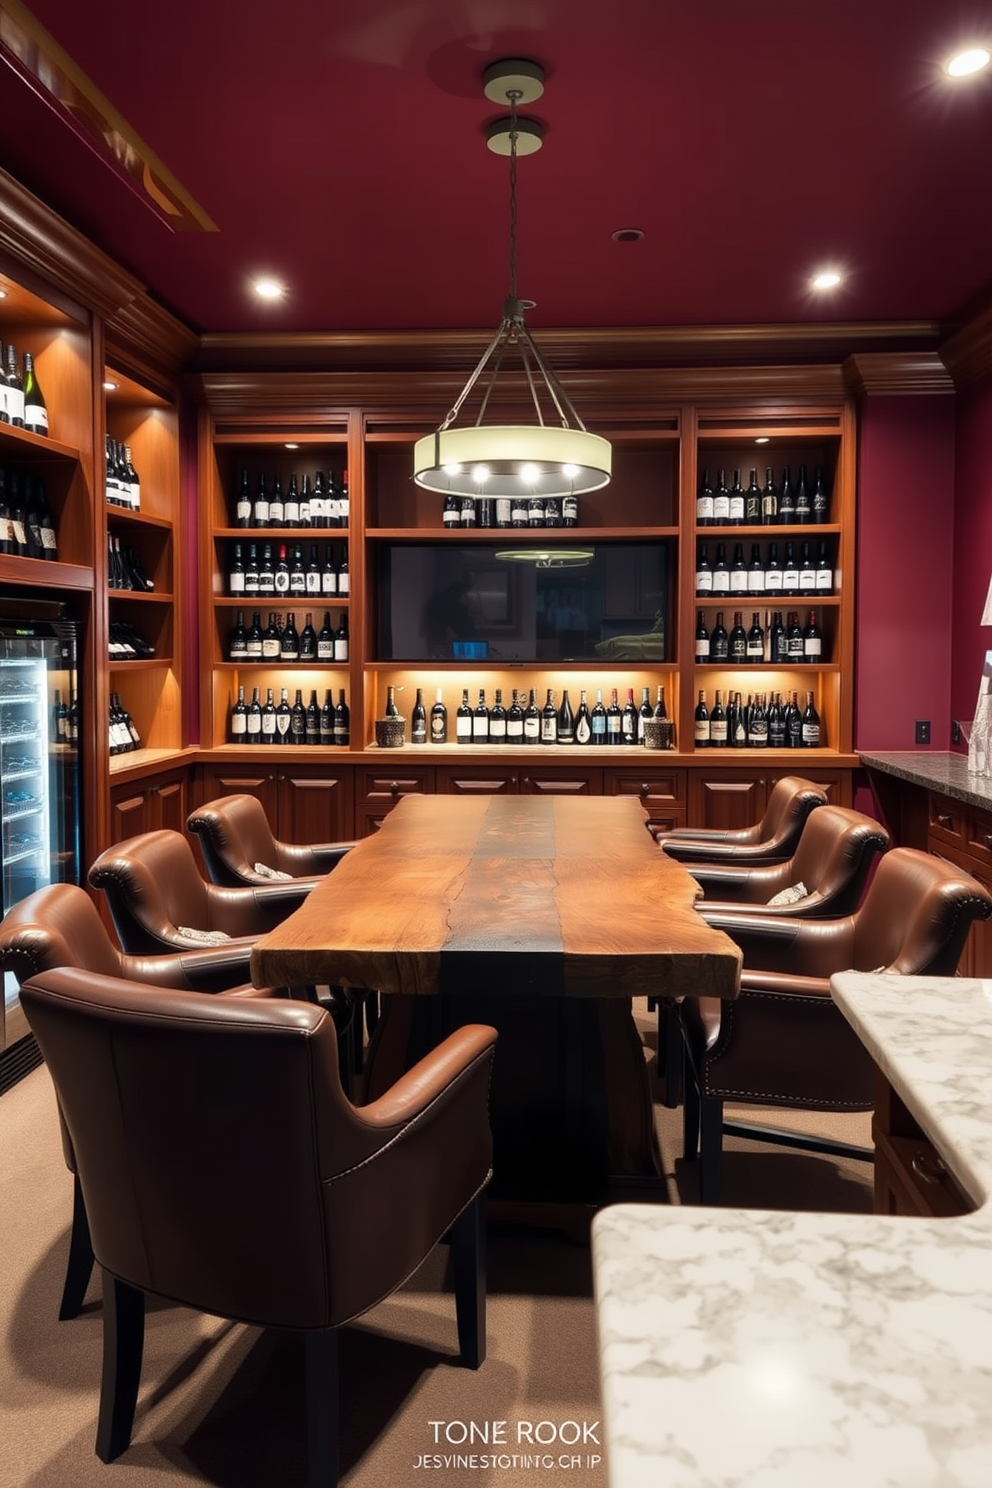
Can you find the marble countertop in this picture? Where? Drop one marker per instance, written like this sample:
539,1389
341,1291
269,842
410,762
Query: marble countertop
753,1349
946,773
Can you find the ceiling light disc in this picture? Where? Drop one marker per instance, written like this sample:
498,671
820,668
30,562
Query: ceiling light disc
530,136
513,75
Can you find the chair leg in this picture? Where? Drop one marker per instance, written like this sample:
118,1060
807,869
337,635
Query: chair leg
468,1249
123,1342
690,1111
79,1266
322,1408
710,1148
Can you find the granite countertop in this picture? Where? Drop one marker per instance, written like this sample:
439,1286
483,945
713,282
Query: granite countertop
946,773
754,1349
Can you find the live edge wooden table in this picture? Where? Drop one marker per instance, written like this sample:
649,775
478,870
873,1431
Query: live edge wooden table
543,917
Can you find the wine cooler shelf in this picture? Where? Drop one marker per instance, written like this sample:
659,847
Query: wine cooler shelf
765,721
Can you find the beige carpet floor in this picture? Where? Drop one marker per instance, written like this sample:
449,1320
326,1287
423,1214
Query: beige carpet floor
221,1404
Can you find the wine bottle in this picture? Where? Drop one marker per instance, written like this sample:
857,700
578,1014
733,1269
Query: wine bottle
614,720
704,502
737,724
769,500
718,723
341,640
721,500
738,572
480,720
515,720
628,719
738,640
418,720
756,572
305,517
312,575
790,572
721,573
812,640
463,720
820,502
719,640
308,640
237,641
242,510
236,574
325,640
289,641
786,500
497,720
793,724
644,712
702,639
778,646
35,411
752,501
701,733
704,574
318,501
239,719
298,720
532,721
327,718
518,511
269,718
49,538
807,571
344,500
311,727
451,512
776,723
755,641
757,730
810,725
291,506
134,484
773,571
803,509
566,722
468,512
342,720
439,719
570,511
344,582
660,711
583,722
598,719
297,573
328,574
736,501
824,571
277,506
535,511
265,576
60,718
549,720
260,512
15,390
504,511
282,571
283,717
253,734
272,639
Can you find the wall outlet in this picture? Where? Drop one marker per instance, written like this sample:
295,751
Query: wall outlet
955,731
923,731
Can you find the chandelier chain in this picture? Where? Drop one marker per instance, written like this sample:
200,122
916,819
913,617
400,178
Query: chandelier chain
513,95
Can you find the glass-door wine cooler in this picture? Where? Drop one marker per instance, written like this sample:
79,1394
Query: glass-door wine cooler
39,773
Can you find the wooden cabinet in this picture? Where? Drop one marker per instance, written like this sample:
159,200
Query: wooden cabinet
379,788
304,803
728,799
148,805
963,835
911,1177
661,791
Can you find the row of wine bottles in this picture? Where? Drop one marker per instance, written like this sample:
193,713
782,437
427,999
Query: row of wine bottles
124,737
322,503
721,505
765,721
281,641
524,722
506,511
65,718
122,485
22,403
124,570
284,723
27,527
768,575
125,644
789,644
285,573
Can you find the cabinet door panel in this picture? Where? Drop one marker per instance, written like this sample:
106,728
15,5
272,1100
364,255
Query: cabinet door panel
129,813
727,803
377,791
476,780
546,780
217,780
315,805
171,799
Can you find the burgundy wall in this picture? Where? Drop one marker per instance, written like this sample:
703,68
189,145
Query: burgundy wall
906,523
973,545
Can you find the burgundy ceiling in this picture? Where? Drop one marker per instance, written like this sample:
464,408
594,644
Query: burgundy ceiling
340,145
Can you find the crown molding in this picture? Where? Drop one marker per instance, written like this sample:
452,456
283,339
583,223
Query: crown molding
870,373
147,340
968,353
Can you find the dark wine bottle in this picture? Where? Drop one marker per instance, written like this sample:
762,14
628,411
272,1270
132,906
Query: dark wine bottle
702,639
736,501
718,723
242,511
497,720
237,642
439,719
704,574
532,721
254,731
515,720
463,720
704,502
298,720
342,720
583,721
35,411
480,720
810,725
756,641
239,719
418,720
614,720
598,719
738,640
701,732
719,640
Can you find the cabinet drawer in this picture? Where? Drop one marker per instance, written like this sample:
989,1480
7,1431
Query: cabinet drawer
656,788
476,780
544,780
379,790
978,828
947,820
915,1178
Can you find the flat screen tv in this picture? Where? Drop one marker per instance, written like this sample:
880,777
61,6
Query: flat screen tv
442,601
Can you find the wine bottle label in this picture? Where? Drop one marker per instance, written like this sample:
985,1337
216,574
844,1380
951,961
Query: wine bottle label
504,511
703,648
463,729
737,508
344,587
261,513
297,583
702,731
755,650
253,647
721,581
807,580
612,723
36,418
718,730
756,581
325,650
497,729
239,723
704,509
328,583
790,578
812,646
244,511
269,725
811,734
271,648
721,507
282,583
313,583
282,724
439,728
773,580
583,733
824,580
340,649
738,581
704,581
20,535
480,729
549,731
532,728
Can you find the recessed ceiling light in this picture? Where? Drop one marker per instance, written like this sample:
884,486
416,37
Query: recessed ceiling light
963,64
291,445
761,439
628,235
826,279
269,289
3,294
110,387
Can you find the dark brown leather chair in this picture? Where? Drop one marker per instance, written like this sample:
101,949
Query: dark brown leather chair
771,840
323,1210
234,834
836,851
59,926
155,890
784,1042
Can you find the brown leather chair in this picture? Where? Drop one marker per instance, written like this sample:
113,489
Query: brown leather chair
768,841
784,1042
234,834
322,1211
59,926
836,852
155,890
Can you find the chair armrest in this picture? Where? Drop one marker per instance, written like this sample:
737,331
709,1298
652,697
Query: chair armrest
255,910
711,908
213,969
805,948
719,853
785,984
311,860
740,884
414,1091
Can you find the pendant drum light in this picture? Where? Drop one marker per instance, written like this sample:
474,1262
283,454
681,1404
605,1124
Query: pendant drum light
553,454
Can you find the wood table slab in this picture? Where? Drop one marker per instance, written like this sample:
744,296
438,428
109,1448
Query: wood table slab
543,917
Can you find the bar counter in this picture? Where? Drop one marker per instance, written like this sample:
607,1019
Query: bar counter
754,1349
946,773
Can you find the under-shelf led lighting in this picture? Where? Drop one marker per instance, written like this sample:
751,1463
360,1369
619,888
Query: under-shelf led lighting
964,64
110,387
